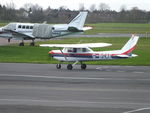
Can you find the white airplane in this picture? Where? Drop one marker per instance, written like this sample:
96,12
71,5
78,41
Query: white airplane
30,31
82,52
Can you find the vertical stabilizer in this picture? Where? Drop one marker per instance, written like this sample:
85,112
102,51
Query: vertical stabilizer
78,22
130,45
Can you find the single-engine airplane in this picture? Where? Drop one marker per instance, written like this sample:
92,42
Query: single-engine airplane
81,52
30,31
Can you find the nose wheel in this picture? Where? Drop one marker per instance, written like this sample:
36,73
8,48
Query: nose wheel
58,66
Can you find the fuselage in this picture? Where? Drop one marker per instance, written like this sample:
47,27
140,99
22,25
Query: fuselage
25,31
88,55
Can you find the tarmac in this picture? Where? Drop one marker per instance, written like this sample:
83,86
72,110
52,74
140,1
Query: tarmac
36,88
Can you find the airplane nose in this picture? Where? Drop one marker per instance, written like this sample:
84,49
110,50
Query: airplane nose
1,29
50,53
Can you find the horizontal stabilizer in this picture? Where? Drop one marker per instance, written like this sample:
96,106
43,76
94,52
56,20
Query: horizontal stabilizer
123,56
127,56
87,28
134,55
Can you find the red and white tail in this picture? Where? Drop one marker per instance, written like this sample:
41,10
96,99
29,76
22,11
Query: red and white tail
130,46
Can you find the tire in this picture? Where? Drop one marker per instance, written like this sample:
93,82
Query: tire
69,67
21,44
83,66
58,66
32,44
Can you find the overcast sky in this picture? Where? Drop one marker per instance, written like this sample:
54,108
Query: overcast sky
74,4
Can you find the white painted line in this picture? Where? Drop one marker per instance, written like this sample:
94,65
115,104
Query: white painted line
121,71
69,78
138,72
67,101
141,109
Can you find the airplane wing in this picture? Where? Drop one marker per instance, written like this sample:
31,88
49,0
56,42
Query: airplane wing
90,45
21,35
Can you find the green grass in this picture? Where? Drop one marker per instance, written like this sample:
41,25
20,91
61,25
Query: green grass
37,54
119,28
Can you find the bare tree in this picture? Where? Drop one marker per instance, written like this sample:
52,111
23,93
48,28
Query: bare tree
81,7
123,8
10,5
103,7
92,7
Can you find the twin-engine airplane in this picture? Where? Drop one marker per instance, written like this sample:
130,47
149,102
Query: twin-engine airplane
30,31
82,52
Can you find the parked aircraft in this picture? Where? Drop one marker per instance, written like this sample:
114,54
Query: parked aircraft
30,31
82,52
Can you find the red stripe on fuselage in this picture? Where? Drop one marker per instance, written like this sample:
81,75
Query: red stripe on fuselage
130,50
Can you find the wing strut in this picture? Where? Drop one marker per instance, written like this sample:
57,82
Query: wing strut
63,54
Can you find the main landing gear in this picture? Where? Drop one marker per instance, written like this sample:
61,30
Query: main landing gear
31,44
21,43
70,66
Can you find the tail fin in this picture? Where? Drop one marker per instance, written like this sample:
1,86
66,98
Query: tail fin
130,45
78,22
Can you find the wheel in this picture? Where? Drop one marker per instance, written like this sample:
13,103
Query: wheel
83,66
69,67
32,44
21,44
58,66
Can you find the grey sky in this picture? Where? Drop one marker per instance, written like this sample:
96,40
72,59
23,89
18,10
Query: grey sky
74,4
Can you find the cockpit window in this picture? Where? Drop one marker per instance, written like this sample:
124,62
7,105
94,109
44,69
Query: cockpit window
19,26
76,50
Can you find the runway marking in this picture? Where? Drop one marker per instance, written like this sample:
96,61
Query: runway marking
107,69
138,72
70,78
141,109
70,102
121,71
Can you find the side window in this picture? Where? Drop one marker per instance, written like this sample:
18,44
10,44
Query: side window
27,27
19,26
70,50
31,27
23,27
84,50
74,50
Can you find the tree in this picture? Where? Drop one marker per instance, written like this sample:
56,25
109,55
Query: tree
92,8
103,7
81,7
